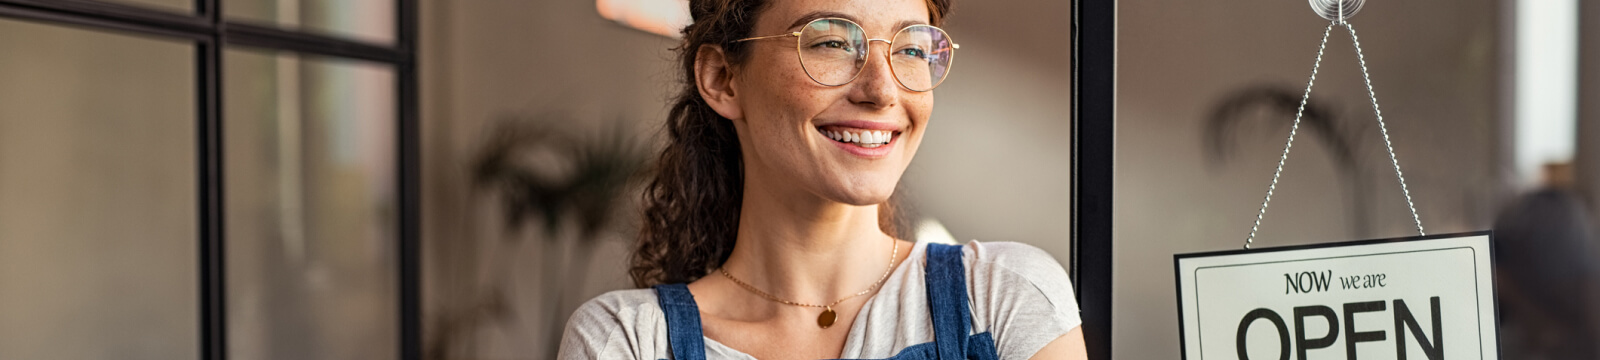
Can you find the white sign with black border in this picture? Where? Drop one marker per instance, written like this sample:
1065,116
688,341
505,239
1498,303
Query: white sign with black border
1427,297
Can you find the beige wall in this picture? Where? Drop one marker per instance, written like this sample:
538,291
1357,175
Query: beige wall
1588,152
993,167
1433,64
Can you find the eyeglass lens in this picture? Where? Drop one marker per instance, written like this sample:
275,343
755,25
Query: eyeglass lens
833,52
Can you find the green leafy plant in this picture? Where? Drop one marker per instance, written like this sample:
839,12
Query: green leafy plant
574,188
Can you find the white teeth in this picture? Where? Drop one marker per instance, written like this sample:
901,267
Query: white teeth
868,139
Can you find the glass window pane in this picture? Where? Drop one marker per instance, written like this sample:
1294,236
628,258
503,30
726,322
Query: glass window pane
311,207
363,20
97,195
1200,129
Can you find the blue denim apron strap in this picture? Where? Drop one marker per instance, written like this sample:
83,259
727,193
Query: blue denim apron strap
683,322
947,295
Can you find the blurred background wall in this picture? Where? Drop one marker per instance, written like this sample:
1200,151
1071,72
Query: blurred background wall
1589,102
98,158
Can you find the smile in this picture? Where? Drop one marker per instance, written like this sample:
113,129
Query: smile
864,138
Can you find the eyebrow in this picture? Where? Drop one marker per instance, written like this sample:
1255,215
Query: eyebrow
813,16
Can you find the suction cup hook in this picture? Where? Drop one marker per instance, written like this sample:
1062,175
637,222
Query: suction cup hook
1336,10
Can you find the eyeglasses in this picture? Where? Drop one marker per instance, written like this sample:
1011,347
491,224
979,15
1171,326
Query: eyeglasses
833,52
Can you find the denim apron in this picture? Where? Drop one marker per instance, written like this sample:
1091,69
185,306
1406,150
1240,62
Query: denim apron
947,299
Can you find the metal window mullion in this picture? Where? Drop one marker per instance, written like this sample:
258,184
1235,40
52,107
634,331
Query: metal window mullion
111,14
269,37
177,29
213,254
1093,155
410,164
213,273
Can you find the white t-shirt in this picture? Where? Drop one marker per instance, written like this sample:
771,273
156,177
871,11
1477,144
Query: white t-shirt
1017,292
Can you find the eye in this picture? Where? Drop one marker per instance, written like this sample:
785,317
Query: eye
914,52
833,44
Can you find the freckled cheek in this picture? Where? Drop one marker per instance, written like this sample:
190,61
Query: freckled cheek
786,124
801,103
776,107
919,107
809,98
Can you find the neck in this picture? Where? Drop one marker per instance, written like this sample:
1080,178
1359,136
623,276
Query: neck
808,250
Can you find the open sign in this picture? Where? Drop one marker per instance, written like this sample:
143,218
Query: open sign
1413,298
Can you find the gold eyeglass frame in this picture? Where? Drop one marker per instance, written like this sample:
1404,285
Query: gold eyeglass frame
890,43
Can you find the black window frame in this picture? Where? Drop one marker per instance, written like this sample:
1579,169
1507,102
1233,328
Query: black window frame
211,33
1094,57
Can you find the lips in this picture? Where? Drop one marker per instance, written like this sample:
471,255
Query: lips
863,139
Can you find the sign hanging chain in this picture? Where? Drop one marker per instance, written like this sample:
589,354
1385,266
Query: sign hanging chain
1293,130
1401,176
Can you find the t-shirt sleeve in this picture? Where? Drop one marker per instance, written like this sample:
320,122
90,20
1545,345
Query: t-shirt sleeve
588,334
613,326
1021,295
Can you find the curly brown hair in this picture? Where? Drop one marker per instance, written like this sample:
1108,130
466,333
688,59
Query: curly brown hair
691,206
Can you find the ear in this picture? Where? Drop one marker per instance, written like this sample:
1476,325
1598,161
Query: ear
713,75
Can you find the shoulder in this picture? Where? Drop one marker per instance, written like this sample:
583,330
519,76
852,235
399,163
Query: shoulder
1020,294
1008,255
619,302
1011,263
617,324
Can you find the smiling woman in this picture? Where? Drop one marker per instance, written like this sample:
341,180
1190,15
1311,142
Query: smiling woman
791,132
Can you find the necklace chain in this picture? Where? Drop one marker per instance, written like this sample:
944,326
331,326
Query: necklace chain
892,255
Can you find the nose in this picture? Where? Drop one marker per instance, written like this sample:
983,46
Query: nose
876,86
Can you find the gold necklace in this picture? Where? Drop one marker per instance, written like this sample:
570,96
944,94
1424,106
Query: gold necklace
827,317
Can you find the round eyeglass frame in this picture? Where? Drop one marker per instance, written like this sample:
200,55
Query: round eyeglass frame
890,43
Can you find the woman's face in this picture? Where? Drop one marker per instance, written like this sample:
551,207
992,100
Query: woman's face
789,121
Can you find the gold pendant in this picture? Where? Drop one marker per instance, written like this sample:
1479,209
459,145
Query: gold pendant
826,319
